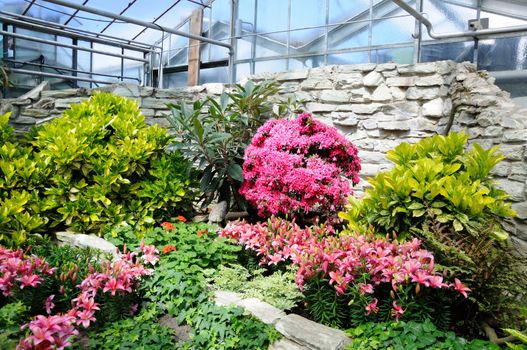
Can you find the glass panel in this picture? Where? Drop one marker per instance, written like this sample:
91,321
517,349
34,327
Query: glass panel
497,21
243,70
245,23
344,10
266,47
270,66
83,62
307,40
133,69
349,36
459,52
397,55
219,52
221,17
244,47
49,12
503,54
214,75
306,62
301,18
106,64
173,80
349,58
393,30
63,55
123,30
273,15
446,17
516,89
27,50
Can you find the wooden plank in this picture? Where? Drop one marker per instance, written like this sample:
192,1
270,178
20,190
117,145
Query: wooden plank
196,20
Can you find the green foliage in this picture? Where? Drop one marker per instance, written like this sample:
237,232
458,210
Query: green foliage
177,287
324,305
97,166
198,247
410,336
278,288
11,317
215,133
446,196
219,328
142,332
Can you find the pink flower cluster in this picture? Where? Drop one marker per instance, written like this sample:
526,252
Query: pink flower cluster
301,165
18,271
118,277
341,259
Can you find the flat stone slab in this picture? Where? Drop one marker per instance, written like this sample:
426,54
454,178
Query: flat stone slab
265,312
225,298
286,344
311,334
86,241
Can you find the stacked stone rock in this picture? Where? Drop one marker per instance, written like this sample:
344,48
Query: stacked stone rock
376,106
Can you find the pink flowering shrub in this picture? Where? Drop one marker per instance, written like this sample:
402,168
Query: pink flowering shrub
299,166
363,263
113,279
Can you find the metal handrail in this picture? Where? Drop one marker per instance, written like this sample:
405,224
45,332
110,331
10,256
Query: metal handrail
469,34
47,29
52,75
56,43
58,69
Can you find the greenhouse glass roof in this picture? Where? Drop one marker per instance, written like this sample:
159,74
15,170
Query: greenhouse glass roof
248,37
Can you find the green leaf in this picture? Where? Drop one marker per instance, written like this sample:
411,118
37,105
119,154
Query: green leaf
235,171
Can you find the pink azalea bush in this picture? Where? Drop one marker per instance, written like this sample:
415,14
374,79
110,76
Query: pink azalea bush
55,331
299,166
362,261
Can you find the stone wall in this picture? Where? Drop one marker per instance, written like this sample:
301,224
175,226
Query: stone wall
376,106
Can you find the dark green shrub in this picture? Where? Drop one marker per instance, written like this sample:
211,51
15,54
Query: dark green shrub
215,134
97,166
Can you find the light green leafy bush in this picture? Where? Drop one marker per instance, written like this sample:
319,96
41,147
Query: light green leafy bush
278,288
98,165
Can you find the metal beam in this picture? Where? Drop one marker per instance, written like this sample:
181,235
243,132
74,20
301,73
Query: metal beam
469,34
53,75
56,43
157,18
24,63
26,10
75,13
136,21
69,34
122,12
75,30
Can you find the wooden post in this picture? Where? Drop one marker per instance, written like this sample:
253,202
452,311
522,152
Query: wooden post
196,20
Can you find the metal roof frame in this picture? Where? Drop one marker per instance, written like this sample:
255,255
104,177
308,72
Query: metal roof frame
74,30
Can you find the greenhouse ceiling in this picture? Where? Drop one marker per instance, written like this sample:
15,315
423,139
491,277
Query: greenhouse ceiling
171,43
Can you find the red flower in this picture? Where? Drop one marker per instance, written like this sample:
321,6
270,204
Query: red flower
167,226
169,248
181,218
202,232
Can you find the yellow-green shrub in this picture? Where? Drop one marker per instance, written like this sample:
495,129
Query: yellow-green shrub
98,165
446,196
